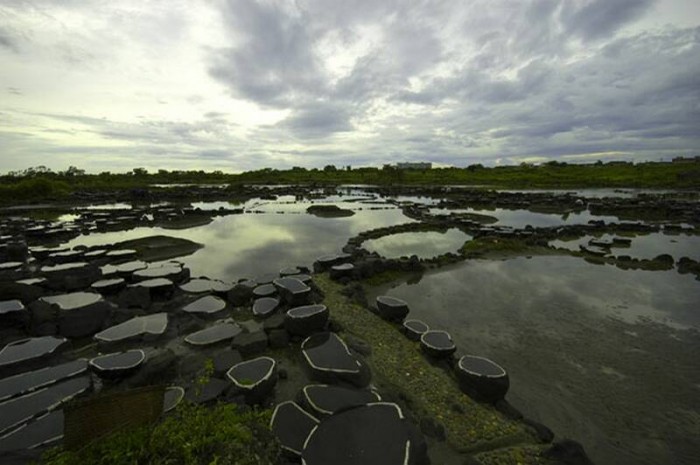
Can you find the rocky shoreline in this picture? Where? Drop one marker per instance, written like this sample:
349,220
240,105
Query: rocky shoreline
130,323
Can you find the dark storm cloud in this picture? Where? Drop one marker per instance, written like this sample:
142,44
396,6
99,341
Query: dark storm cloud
595,19
274,63
318,119
8,41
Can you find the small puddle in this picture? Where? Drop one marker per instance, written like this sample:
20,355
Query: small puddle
427,244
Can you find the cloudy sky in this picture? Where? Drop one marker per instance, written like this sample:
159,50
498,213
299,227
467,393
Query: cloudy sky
109,85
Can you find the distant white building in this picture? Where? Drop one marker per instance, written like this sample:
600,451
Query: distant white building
414,166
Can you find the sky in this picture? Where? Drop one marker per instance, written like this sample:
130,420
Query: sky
238,85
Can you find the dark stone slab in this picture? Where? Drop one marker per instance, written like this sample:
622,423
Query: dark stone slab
437,344
158,288
172,397
45,430
71,276
23,383
203,285
20,410
174,272
342,271
206,306
376,434
13,312
147,328
278,338
329,360
266,278
218,333
250,343
224,360
121,254
289,271
264,290
324,399
254,378
391,308
414,329
303,277
325,262
306,320
241,293
80,314
293,291
28,350
482,378
292,425
265,307
274,322
118,364
108,286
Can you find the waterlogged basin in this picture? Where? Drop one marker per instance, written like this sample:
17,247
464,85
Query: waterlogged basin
205,306
19,410
428,244
30,381
138,327
219,332
29,349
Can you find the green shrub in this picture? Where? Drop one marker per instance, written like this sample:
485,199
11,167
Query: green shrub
191,435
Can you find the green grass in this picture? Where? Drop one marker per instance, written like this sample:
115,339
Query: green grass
192,435
41,185
399,366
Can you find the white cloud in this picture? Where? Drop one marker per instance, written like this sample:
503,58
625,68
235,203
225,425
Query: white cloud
238,85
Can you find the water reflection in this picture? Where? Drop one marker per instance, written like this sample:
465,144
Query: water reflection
522,218
426,244
246,245
587,347
646,246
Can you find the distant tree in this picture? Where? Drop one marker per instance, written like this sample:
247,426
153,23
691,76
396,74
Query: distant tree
73,171
475,167
329,168
139,171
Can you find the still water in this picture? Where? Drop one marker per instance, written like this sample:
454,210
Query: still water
599,354
605,356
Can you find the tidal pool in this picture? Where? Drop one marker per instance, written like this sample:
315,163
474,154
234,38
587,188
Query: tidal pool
605,356
252,244
424,244
646,246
